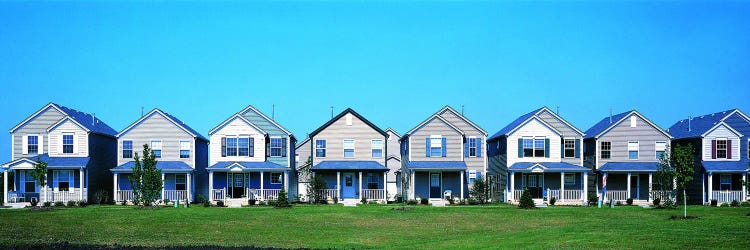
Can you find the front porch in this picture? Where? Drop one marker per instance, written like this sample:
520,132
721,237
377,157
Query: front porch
725,187
565,182
638,186
63,183
353,180
176,187
260,185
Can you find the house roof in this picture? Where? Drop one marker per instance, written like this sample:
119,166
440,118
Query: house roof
88,121
52,162
725,166
507,130
394,132
246,165
427,121
699,125
231,118
250,107
349,165
299,144
459,115
164,166
438,116
610,122
337,117
546,167
437,165
177,122
630,166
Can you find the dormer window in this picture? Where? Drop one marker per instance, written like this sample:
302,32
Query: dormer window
721,148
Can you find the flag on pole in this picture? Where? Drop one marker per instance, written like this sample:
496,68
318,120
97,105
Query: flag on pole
604,187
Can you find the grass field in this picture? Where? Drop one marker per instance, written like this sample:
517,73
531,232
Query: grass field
380,227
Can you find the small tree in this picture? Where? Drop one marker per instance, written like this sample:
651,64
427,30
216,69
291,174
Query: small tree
282,201
316,189
479,190
39,174
664,176
146,178
679,166
526,201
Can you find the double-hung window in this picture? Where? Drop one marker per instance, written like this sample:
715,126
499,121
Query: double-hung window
244,146
276,145
570,148
661,149
63,180
184,149
633,148
473,143
606,149
320,148
32,144
570,180
436,146
29,182
180,182
538,147
725,182
67,143
156,148
231,146
377,148
721,148
127,149
348,148
528,147
372,181
276,178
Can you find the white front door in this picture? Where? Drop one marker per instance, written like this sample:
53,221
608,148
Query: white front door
349,190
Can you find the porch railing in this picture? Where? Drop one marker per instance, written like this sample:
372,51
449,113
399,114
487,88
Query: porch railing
218,194
330,193
373,194
125,195
660,194
73,195
174,195
517,194
567,194
270,194
727,196
617,195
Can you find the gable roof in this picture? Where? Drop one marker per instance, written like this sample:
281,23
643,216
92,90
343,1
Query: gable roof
699,125
299,144
177,122
250,107
459,115
63,120
603,126
722,123
246,165
337,117
515,124
428,120
88,121
230,119
394,132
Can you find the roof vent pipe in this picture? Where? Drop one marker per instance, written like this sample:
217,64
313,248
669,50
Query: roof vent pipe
93,118
273,112
610,115
690,118
462,109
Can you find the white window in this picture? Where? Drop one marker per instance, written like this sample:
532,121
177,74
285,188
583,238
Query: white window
156,148
436,146
320,148
473,144
184,149
725,182
539,148
127,149
377,148
32,144
661,148
180,181
721,148
632,121
67,143
276,178
348,119
570,148
277,147
633,150
348,148
570,179
472,176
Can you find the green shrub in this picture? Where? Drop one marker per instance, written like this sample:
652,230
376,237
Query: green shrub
450,200
629,201
724,204
71,203
206,203
526,201
166,201
251,202
372,202
657,202
82,203
411,202
593,198
670,204
363,200
735,203
59,204
745,204
124,202
101,197
200,199
424,201
399,199
618,203
34,202
552,201
472,201
220,203
281,200
335,200
714,202
272,203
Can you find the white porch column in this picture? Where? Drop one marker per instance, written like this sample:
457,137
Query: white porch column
462,185
512,186
650,183
338,184
385,186
744,188
411,190
80,184
710,186
44,189
562,186
585,195
360,185
5,186
703,188
162,186
210,185
115,187
262,195
286,182
189,191
628,185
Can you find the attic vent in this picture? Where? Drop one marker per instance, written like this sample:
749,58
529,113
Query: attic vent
348,119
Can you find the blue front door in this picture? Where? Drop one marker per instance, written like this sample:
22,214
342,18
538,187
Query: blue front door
349,190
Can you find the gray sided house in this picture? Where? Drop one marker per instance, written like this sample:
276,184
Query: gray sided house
181,155
77,147
393,162
349,153
722,158
303,158
625,149
443,155
543,152
251,159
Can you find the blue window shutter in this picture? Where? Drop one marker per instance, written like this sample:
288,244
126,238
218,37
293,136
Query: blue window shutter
466,147
427,147
546,148
479,175
578,148
562,148
479,147
520,147
283,147
444,146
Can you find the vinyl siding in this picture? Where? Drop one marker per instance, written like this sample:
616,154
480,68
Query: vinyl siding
533,128
157,127
303,153
55,140
454,142
645,134
566,131
392,147
362,134
472,163
238,127
38,125
272,131
721,132
743,126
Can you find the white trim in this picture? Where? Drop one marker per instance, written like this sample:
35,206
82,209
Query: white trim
717,126
449,108
270,147
63,120
38,112
561,119
742,114
394,132
382,148
638,143
564,149
633,121
524,123
657,150
633,112
271,181
315,148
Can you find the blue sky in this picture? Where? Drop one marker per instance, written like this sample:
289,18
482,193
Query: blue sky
395,63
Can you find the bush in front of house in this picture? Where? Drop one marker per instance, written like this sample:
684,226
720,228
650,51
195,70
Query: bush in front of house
82,203
526,201
472,201
629,201
335,199
724,204
220,203
34,202
670,204
281,200
363,200
251,202
657,202
745,204
71,203
593,198
206,203
552,201
735,203
618,203
714,202
166,201
59,204
412,202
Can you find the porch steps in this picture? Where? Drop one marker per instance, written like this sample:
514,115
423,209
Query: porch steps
350,202
234,203
437,202
539,203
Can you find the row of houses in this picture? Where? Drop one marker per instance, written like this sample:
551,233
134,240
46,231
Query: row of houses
251,156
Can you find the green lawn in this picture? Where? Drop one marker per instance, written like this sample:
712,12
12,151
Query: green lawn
380,227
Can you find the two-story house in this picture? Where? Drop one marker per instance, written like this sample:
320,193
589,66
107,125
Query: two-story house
626,149
181,154
543,152
393,162
77,147
722,155
349,153
251,158
303,158
443,156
